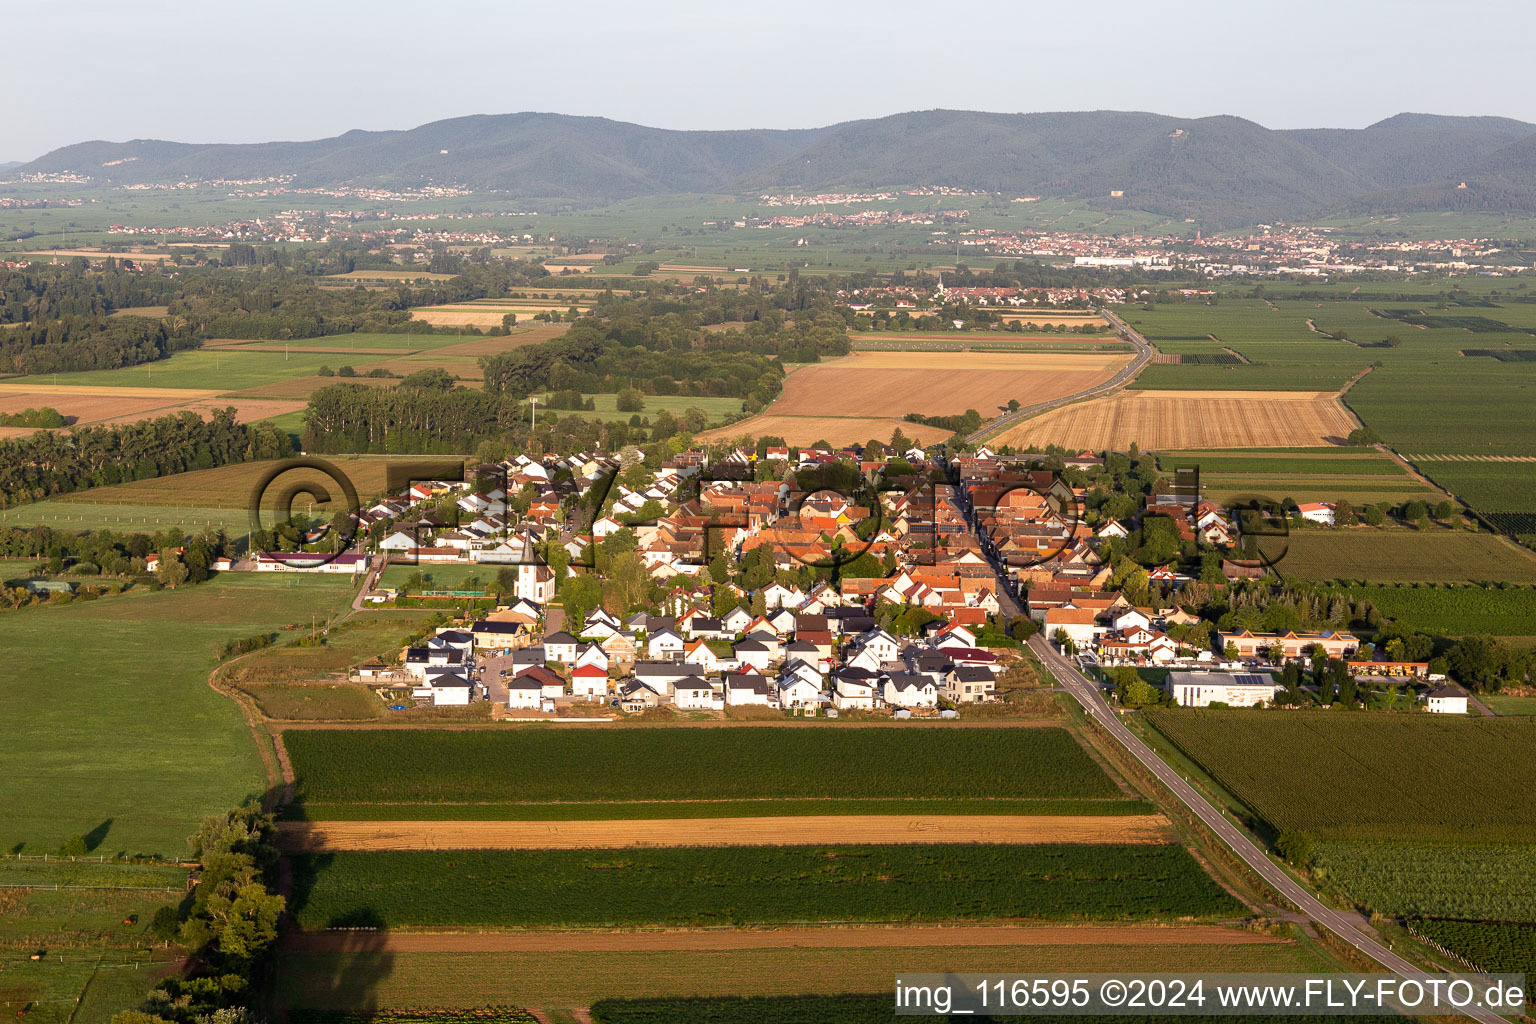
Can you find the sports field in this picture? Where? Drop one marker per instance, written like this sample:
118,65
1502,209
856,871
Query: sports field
107,721
1158,420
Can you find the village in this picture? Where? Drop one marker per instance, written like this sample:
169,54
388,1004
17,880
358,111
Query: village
750,585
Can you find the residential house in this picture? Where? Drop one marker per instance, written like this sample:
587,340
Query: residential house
748,688
1446,700
694,694
909,690
854,689
561,647
589,682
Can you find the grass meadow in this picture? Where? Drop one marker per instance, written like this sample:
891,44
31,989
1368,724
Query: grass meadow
108,727
752,885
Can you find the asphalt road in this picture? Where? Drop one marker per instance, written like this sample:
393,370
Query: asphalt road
1128,372
1087,694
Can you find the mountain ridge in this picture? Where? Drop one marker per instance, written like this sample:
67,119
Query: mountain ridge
1219,170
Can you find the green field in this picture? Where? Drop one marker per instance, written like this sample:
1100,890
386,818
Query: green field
107,722
1503,704
345,981
1494,948
1472,880
212,498
536,765
1487,486
203,369
1403,556
752,885
1342,775
606,407
1456,611
93,921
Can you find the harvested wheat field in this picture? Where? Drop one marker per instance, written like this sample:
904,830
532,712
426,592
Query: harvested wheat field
938,383
1191,419
808,830
32,386
835,430
149,311
903,937
482,315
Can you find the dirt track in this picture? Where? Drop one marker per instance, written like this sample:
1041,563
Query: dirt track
785,938
778,831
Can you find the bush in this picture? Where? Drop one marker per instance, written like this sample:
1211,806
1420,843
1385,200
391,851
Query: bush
1296,849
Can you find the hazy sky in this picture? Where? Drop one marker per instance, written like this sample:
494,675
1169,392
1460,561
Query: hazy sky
232,71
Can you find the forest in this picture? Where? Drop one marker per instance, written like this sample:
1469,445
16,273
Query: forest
49,463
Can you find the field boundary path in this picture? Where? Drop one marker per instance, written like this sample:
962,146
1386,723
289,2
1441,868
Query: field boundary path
862,937
794,830
1338,922
1126,374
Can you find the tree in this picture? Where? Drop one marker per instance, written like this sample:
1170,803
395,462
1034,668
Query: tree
73,847
1363,437
1444,510
1296,849
171,571
629,400
1230,652
433,378
1374,516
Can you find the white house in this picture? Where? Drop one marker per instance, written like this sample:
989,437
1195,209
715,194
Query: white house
743,688
910,690
694,694
699,653
796,692
967,684
664,645
1446,700
524,693
561,647
589,682
880,645
776,595
736,620
755,653
854,690
591,655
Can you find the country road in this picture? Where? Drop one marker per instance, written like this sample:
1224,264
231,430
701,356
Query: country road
1127,373
1087,694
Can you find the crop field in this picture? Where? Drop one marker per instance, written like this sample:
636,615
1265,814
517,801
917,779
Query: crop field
344,981
835,430
1472,880
1158,420
877,384
362,767
777,830
752,885
108,725
65,514
1404,556
230,486
1456,611
605,407
1486,486
461,314
1355,475
1494,948
1287,767
642,810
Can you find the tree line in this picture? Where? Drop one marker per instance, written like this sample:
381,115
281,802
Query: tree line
49,463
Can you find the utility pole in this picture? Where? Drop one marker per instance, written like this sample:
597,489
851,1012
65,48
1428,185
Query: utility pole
533,411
